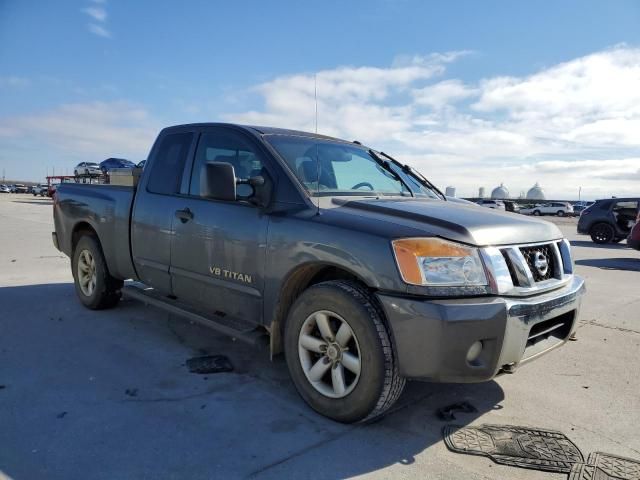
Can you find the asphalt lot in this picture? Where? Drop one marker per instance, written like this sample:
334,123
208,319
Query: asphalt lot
104,395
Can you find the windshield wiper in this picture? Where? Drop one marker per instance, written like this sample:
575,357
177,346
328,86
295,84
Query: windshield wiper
385,165
411,171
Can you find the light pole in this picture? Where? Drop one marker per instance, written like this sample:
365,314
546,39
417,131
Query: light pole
579,192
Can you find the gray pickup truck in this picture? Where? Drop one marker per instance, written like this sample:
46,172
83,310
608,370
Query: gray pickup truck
351,263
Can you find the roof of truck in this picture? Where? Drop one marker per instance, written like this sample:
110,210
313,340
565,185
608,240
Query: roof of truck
260,130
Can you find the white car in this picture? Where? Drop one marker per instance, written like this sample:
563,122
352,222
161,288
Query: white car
41,190
87,169
496,204
5,189
561,209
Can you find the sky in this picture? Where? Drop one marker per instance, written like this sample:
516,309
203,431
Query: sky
470,93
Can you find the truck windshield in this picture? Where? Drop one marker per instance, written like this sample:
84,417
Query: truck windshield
329,168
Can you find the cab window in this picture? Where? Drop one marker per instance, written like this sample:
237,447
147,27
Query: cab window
168,164
228,147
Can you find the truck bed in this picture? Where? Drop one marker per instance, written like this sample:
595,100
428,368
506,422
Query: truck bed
104,208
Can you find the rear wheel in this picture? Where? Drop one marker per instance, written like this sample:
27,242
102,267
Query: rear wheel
95,287
602,233
340,354
560,213
536,213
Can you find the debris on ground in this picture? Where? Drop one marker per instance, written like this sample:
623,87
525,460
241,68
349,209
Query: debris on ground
209,364
448,413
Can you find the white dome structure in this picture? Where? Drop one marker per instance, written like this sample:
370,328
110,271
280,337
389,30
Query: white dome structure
536,193
500,192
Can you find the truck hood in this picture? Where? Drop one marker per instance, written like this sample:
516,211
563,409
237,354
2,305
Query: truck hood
469,224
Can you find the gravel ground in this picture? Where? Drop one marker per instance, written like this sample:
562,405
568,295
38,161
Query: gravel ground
103,395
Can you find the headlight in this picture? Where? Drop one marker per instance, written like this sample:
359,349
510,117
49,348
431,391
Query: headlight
437,262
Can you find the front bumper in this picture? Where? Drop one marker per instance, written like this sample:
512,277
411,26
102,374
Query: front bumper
433,337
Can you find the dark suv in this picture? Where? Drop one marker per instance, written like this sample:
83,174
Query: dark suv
609,220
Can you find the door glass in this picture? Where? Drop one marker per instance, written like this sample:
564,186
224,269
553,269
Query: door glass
228,147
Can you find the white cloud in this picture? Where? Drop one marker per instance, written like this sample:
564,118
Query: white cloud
12,81
581,116
93,130
99,14
99,30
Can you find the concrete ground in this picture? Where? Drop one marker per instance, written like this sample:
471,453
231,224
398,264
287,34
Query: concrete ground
104,395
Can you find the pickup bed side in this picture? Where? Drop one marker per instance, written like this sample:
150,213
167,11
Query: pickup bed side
104,209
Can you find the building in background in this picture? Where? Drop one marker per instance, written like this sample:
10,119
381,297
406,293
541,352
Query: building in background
536,193
500,192
450,191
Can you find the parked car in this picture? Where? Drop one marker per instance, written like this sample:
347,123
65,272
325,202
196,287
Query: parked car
111,163
354,264
87,169
609,220
510,206
561,209
495,204
633,240
5,189
41,190
20,188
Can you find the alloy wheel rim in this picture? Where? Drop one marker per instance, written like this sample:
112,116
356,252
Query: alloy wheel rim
329,354
87,273
602,234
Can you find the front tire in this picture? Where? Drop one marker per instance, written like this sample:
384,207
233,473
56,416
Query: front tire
536,213
95,287
560,213
602,233
339,353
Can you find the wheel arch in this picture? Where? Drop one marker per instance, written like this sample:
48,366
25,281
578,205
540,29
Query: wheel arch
297,281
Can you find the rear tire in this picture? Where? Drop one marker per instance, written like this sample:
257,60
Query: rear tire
355,380
560,213
95,287
536,213
602,233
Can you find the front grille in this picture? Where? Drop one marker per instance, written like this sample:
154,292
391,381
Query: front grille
536,256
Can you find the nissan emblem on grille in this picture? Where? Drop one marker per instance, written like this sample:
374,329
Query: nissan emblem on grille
541,263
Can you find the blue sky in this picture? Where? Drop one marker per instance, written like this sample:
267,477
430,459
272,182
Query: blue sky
472,93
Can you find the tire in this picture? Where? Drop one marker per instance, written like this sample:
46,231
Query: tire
377,385
536,213
602,233
102,291
560,213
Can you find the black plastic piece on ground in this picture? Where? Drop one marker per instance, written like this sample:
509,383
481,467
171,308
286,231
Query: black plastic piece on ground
209,364
603,466
532,448
448,413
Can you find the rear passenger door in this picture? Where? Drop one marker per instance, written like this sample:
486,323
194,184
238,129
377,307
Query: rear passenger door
154,209
219,247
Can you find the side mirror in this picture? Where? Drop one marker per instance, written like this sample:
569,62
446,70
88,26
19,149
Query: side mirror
218,181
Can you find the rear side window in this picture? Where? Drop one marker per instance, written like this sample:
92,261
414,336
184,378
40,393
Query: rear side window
168,165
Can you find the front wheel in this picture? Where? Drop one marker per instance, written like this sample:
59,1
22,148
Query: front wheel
340,354
95,286
560,213
536,213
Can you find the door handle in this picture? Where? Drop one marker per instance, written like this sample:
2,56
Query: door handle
184,215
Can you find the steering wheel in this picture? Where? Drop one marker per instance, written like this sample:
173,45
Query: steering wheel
362,184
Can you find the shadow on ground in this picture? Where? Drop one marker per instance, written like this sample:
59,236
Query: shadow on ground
589,243
108,394
628,264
